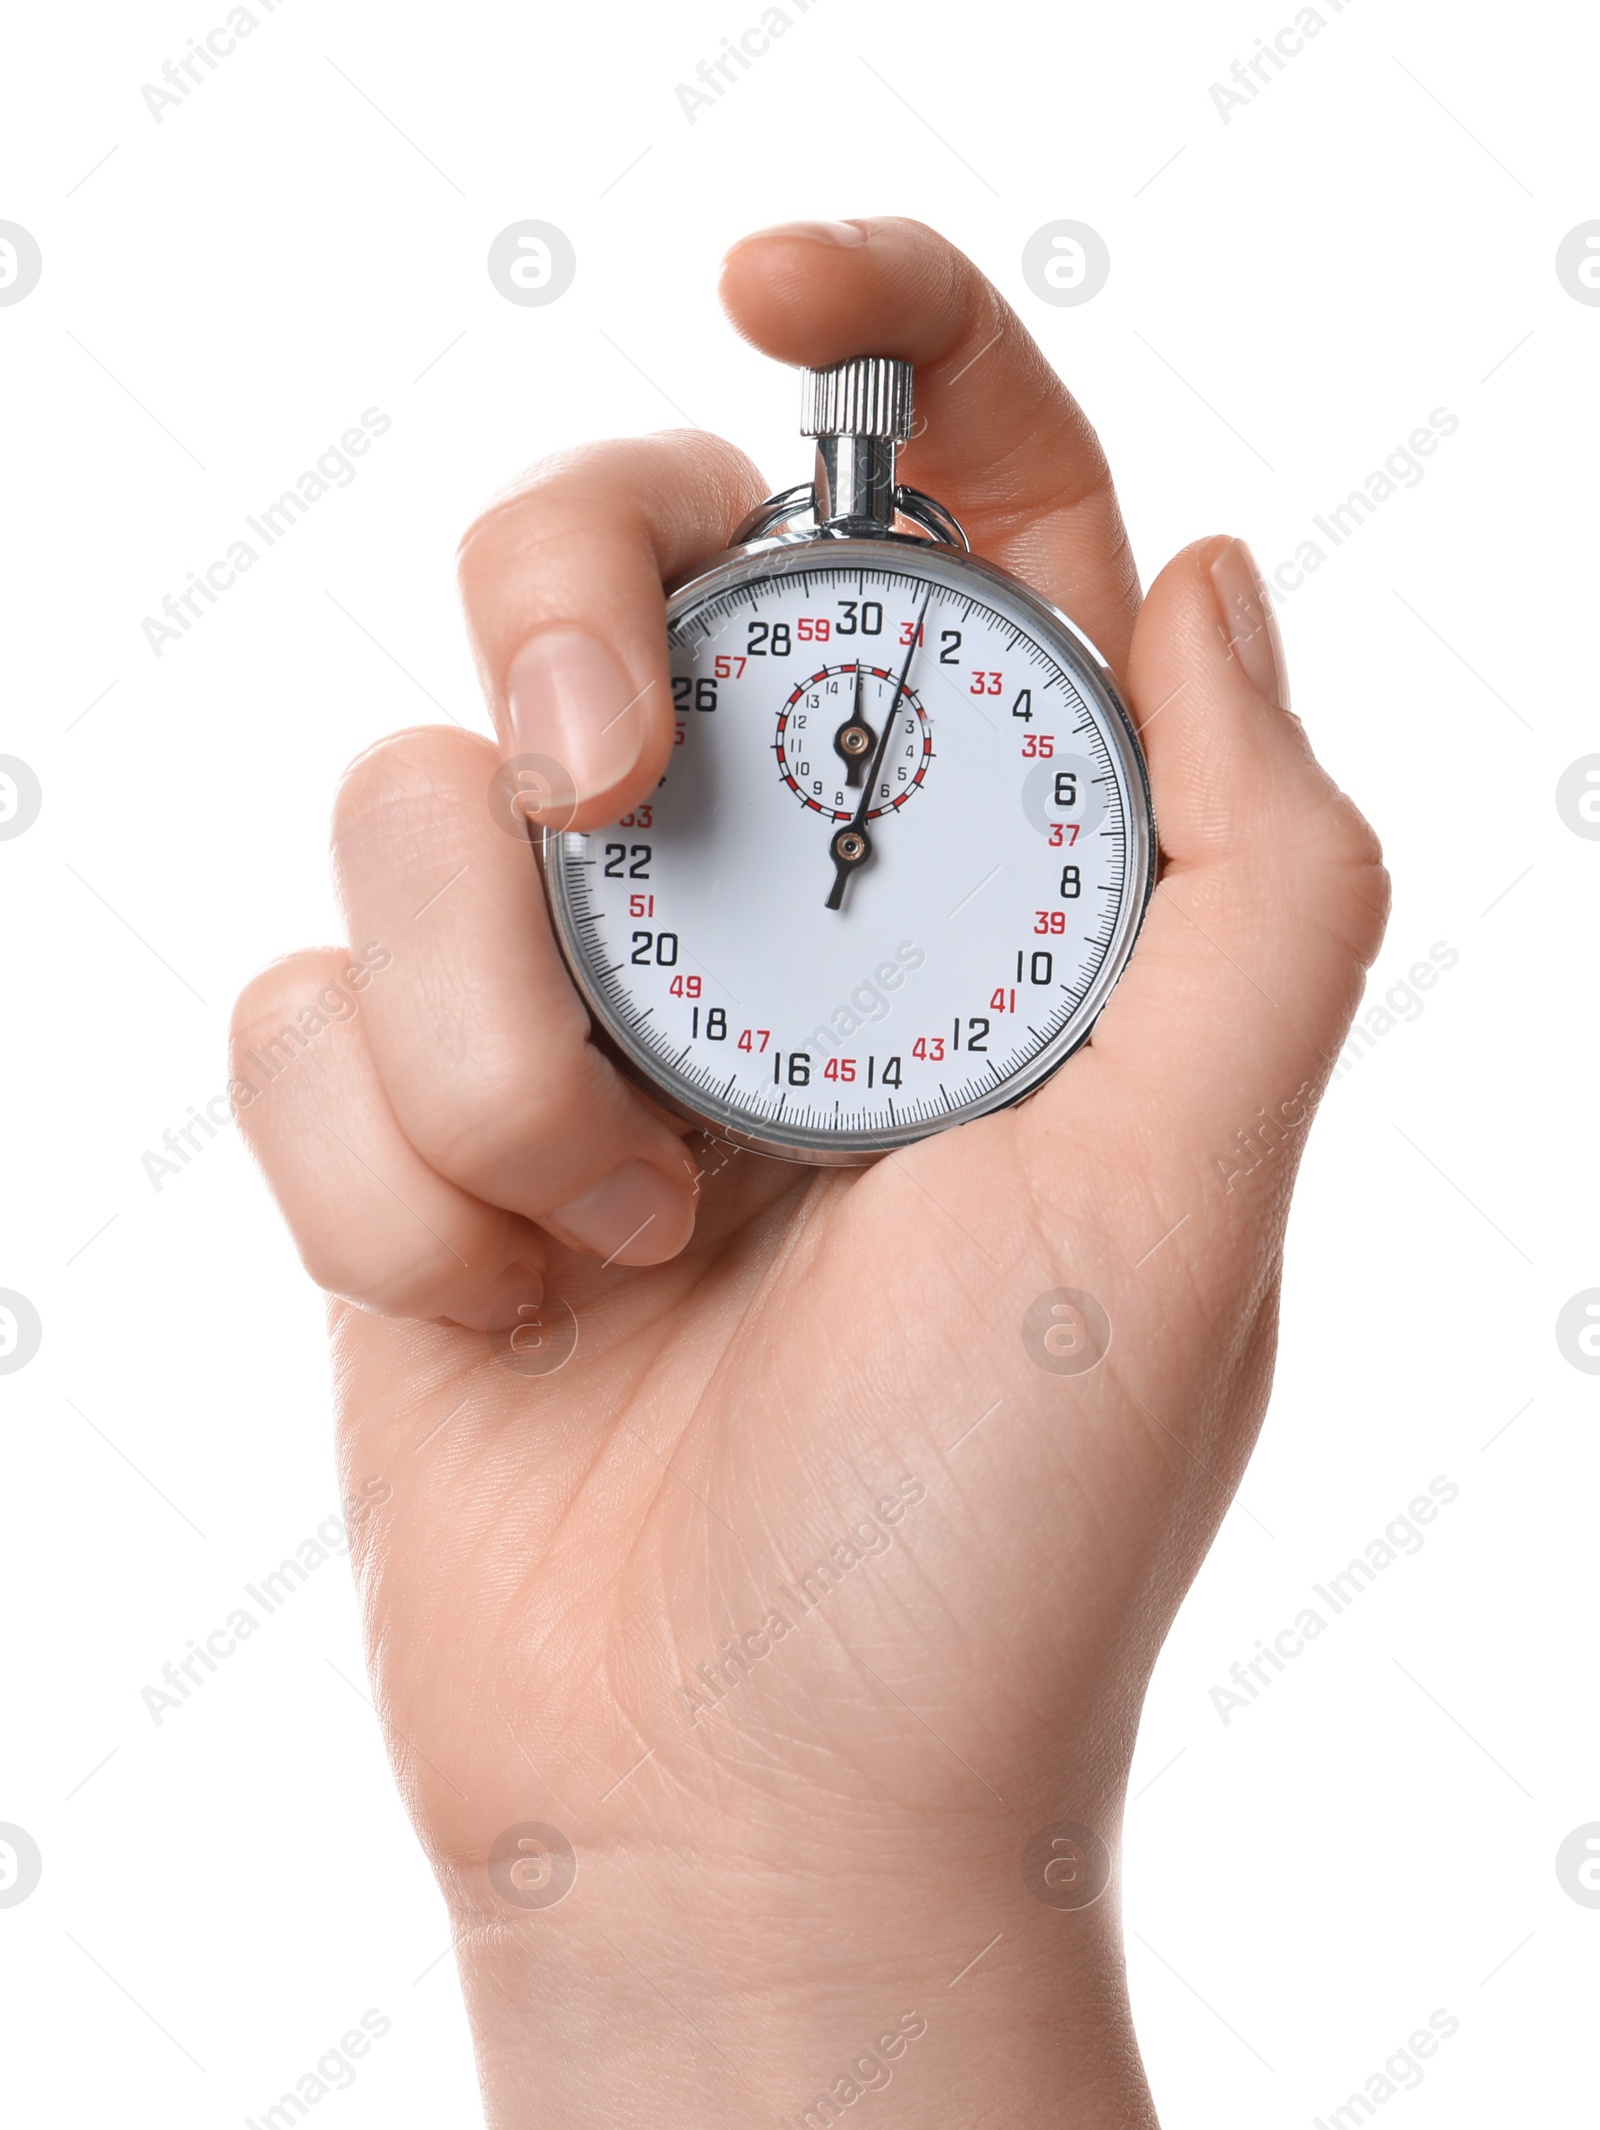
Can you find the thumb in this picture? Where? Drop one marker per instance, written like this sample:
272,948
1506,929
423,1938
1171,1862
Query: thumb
1272,897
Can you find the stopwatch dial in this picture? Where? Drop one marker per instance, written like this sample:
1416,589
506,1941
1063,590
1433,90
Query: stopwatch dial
828,732
830,1003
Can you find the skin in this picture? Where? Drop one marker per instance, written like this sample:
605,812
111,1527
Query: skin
766,1884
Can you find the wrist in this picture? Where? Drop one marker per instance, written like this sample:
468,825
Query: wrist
662,1993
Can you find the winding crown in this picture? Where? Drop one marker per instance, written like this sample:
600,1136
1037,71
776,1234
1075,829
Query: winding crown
867,396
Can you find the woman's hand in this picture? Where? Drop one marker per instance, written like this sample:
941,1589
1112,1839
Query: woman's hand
808,1591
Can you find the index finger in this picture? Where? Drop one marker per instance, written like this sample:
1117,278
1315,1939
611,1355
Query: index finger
1000,440
562,581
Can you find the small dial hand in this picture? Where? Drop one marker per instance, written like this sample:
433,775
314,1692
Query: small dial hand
853,740
852,845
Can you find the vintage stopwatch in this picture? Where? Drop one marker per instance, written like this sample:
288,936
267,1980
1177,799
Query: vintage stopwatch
904,842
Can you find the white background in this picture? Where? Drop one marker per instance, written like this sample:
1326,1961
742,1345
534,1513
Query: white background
304,237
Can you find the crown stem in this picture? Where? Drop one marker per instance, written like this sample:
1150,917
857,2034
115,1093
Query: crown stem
855,480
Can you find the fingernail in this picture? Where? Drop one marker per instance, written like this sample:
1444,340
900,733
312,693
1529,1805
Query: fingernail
1249,623
845,234
572,701
634,1216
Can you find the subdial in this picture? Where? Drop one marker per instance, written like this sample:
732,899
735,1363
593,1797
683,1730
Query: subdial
829,729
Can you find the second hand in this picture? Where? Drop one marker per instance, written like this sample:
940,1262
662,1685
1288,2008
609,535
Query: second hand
852,845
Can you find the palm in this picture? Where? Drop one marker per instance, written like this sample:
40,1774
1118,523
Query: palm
567,1561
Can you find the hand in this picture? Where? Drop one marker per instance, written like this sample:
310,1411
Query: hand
793,1367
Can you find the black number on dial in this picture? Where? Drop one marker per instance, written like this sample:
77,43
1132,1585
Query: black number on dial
693,692
617,856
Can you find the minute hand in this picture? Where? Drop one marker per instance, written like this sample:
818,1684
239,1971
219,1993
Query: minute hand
852,845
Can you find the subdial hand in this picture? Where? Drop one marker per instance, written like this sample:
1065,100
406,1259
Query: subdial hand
852,845
853,740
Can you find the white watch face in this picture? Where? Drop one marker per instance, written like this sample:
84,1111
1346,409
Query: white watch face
892,871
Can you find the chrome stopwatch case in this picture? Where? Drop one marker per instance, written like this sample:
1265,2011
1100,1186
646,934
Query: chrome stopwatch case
904,842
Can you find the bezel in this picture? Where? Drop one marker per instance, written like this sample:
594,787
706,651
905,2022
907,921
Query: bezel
957,570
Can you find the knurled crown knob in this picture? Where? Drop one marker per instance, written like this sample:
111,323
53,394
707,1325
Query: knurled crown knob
868,396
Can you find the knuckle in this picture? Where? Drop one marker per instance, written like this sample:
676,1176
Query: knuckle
495,1112
420,765
565,484
627,490
1344,851
392,1286
1349,837
280,990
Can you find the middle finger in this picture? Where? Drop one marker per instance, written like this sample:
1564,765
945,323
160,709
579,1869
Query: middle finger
480,1041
